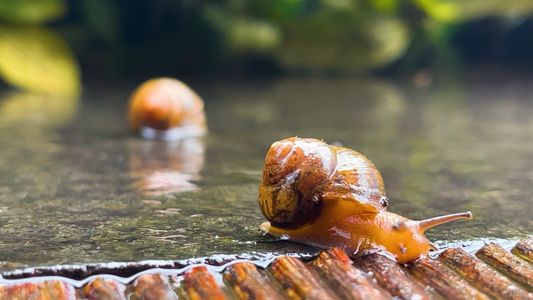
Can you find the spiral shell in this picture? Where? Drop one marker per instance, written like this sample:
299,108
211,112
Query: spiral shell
301,173
163,104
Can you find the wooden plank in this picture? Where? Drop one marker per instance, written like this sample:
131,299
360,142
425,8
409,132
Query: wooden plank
200,284
248,283
507,264
481,275
153,287
299,281
524,249
104,288
444,281
44,290
348,281
392,277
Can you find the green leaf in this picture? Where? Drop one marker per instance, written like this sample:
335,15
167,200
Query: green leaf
388,6
31,11
339,41
459,10
37,59
250,35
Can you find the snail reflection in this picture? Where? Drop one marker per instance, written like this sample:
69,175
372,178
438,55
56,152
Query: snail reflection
166,167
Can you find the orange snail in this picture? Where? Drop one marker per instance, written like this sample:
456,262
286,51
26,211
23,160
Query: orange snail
166,108
328,196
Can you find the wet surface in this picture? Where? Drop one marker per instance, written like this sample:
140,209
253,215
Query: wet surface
76,186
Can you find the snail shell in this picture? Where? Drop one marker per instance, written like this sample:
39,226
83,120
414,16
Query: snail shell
166,108
300,174
325,196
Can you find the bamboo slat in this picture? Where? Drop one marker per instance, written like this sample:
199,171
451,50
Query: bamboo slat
444,281
248,283
507,264
481,275
348,281
200,284
103,288
298,280
392,277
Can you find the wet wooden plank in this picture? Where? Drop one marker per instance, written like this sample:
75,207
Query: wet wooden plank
153,287
508,264
104,288
524,249
348,281
299,281
330,276
200,284
481,275
45,290
248,283
392,277
444,281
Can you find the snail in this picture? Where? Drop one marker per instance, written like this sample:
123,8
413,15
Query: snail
329,196
166,108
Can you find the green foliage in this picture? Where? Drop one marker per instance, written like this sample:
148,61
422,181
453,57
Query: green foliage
31,11
33,57
276,11
102,18
385,5
461,10
37,59
343,41
183,37
252,35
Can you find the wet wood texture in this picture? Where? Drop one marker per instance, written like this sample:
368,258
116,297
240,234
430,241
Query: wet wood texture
511,266
103,288
524,249
444,281
200,284
392,277
481,275
347,280
332,275
152,287
299,281
249,283
44,290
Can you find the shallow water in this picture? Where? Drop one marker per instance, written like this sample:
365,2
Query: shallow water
76,186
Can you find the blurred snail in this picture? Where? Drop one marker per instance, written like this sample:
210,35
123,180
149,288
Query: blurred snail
322,195
166,108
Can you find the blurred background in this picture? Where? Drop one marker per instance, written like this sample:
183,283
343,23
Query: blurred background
48,45
437,93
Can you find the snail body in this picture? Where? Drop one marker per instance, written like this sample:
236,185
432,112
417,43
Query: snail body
166,108
325,196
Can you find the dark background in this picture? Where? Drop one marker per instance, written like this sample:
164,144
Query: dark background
185,38
112,41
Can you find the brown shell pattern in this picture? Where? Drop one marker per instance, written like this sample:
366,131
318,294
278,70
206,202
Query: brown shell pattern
300,173
164,103
356,179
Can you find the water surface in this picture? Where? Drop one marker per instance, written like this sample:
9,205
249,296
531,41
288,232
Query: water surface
76,186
